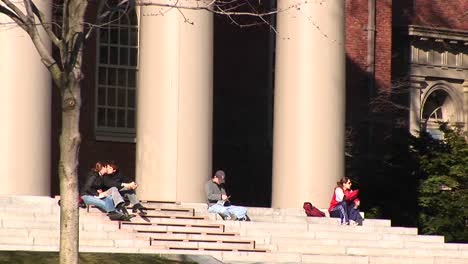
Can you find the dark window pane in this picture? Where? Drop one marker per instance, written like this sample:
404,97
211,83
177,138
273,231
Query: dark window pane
112,77
111,117
101,117
103,35
131,78
133,36
133,57
133,19
122,78
114,55
124,56
121,98
103,56
130,119
114,35
111,97
102,75
124,34
131,98
121,118
123,19
101,96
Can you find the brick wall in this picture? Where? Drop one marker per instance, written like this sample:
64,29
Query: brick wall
451,14
356,60
383,47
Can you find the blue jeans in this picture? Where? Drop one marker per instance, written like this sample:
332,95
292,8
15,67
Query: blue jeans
341,211
346,211
238,211
105,203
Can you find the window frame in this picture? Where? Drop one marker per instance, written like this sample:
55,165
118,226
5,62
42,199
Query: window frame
116,133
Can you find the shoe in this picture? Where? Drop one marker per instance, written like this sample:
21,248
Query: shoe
126,217
232,217
123,210
353,223
115,215
138,207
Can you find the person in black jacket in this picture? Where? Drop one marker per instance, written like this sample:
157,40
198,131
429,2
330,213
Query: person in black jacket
125,186
109,200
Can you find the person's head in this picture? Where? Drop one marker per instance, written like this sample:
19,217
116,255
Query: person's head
100,167
112,167
219,177
344,183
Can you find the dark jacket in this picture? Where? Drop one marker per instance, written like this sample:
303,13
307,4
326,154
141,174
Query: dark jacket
213,192
115,180
93,183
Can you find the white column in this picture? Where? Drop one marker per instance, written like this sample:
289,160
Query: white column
25,100
309,121
174,119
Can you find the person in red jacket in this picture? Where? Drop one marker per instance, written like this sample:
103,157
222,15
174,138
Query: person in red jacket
344,203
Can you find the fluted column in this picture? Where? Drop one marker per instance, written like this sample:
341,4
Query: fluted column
309,115
174,119
25,112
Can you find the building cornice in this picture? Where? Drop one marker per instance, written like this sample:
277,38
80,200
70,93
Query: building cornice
438,33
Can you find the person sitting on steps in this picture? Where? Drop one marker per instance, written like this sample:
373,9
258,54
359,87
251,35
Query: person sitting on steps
125,186
218,201
109,200
344,203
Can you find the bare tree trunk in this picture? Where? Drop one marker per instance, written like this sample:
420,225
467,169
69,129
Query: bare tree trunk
69,145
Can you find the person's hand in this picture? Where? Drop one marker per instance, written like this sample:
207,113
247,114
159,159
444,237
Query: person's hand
133,185
224,197
102,194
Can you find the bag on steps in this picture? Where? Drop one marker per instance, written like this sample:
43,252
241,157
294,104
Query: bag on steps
311,210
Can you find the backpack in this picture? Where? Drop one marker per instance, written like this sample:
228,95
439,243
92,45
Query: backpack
311,210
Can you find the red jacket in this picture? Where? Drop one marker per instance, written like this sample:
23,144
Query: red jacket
349,195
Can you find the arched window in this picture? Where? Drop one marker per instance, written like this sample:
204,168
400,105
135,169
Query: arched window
116,76
438,107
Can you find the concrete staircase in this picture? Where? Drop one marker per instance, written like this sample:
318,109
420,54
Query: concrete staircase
175,229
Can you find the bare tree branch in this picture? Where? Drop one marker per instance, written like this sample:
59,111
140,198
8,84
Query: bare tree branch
14,13
16,19
46,25
220,7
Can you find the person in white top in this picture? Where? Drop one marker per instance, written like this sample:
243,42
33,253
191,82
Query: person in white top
344,203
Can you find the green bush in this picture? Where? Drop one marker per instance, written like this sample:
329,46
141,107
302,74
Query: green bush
443,188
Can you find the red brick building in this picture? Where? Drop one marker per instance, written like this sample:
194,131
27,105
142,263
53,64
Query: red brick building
417,45
243,103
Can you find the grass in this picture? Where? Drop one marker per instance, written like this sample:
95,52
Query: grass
34,257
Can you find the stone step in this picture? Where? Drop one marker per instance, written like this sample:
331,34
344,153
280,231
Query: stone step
202,243
173,226
206,247
408,252
177,211
185,234
368,250
333,259
284,235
